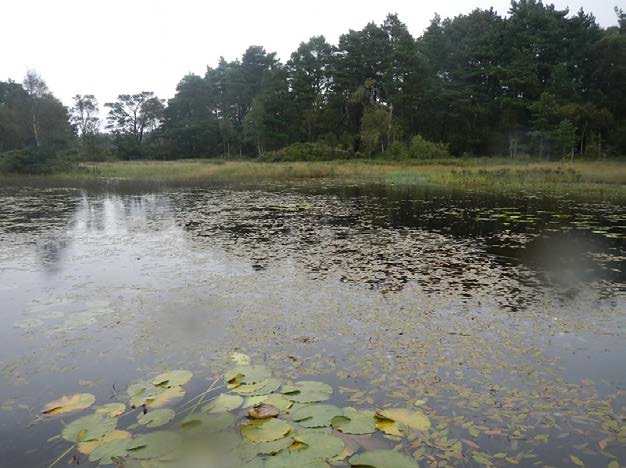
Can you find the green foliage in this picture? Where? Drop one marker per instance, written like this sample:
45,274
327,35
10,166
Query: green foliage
308,152
420,148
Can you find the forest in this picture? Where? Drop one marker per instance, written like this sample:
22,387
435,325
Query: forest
538,81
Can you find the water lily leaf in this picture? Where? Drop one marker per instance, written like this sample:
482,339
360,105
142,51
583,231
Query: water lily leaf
140,392
279,402
153,445
68,404
105,453
249,449
389,427
263,411
173,378
290,460
355,422
255,400
414,419
165,397
246,375
112,410
156,418
87,447
317,445
241,359
223,403
383,459
91,427
307,391
265,430
576,461
265,387
316,415
209,423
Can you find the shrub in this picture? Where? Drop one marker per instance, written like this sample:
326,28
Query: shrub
307,152
420,148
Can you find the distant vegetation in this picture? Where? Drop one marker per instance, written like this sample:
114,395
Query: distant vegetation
538,82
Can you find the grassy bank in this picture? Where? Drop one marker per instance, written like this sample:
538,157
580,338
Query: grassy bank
597,180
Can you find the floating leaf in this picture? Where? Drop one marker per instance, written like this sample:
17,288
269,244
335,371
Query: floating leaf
91,427
265,387
318,445
88,447
389,427
264,430
355,422
247,375
316,415
112,410
153,445
263,411
68,404
165,397
223,403
156,418
414,419
173,378
105,453
576,460
278,401
241,359
209,423
307,391
140,392
253,401
383,459
250,449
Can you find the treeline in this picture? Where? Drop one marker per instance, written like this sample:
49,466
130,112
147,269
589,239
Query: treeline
539,81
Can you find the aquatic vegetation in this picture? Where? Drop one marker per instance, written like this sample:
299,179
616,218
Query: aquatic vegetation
310,434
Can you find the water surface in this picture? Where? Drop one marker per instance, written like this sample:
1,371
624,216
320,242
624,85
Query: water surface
505,314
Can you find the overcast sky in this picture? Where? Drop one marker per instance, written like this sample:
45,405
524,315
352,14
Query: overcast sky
108,47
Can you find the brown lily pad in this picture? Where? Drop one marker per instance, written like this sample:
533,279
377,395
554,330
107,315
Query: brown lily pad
263,411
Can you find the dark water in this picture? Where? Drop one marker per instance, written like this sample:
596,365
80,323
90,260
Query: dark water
506,315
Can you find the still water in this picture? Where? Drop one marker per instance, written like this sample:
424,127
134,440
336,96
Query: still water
504,318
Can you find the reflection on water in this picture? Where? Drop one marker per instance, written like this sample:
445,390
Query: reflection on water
479,304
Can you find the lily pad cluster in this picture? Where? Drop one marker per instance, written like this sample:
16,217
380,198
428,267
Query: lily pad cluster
257,421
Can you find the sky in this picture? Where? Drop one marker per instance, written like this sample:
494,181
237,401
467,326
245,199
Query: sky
110,47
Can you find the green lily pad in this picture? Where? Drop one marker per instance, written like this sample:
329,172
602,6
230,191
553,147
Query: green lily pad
156,418
317,445
141,392
223,403
105,453
247,375
316,415
307,391
112,410
91,427
355,422
278,401
208,423
173,378
383,459
153,445
265,387
414,419
265,430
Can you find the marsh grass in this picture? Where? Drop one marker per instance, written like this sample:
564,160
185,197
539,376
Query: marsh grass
593,179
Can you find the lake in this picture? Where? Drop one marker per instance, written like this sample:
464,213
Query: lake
503,319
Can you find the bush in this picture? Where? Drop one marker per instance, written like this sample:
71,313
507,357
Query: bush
420,148
308,152
34,161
